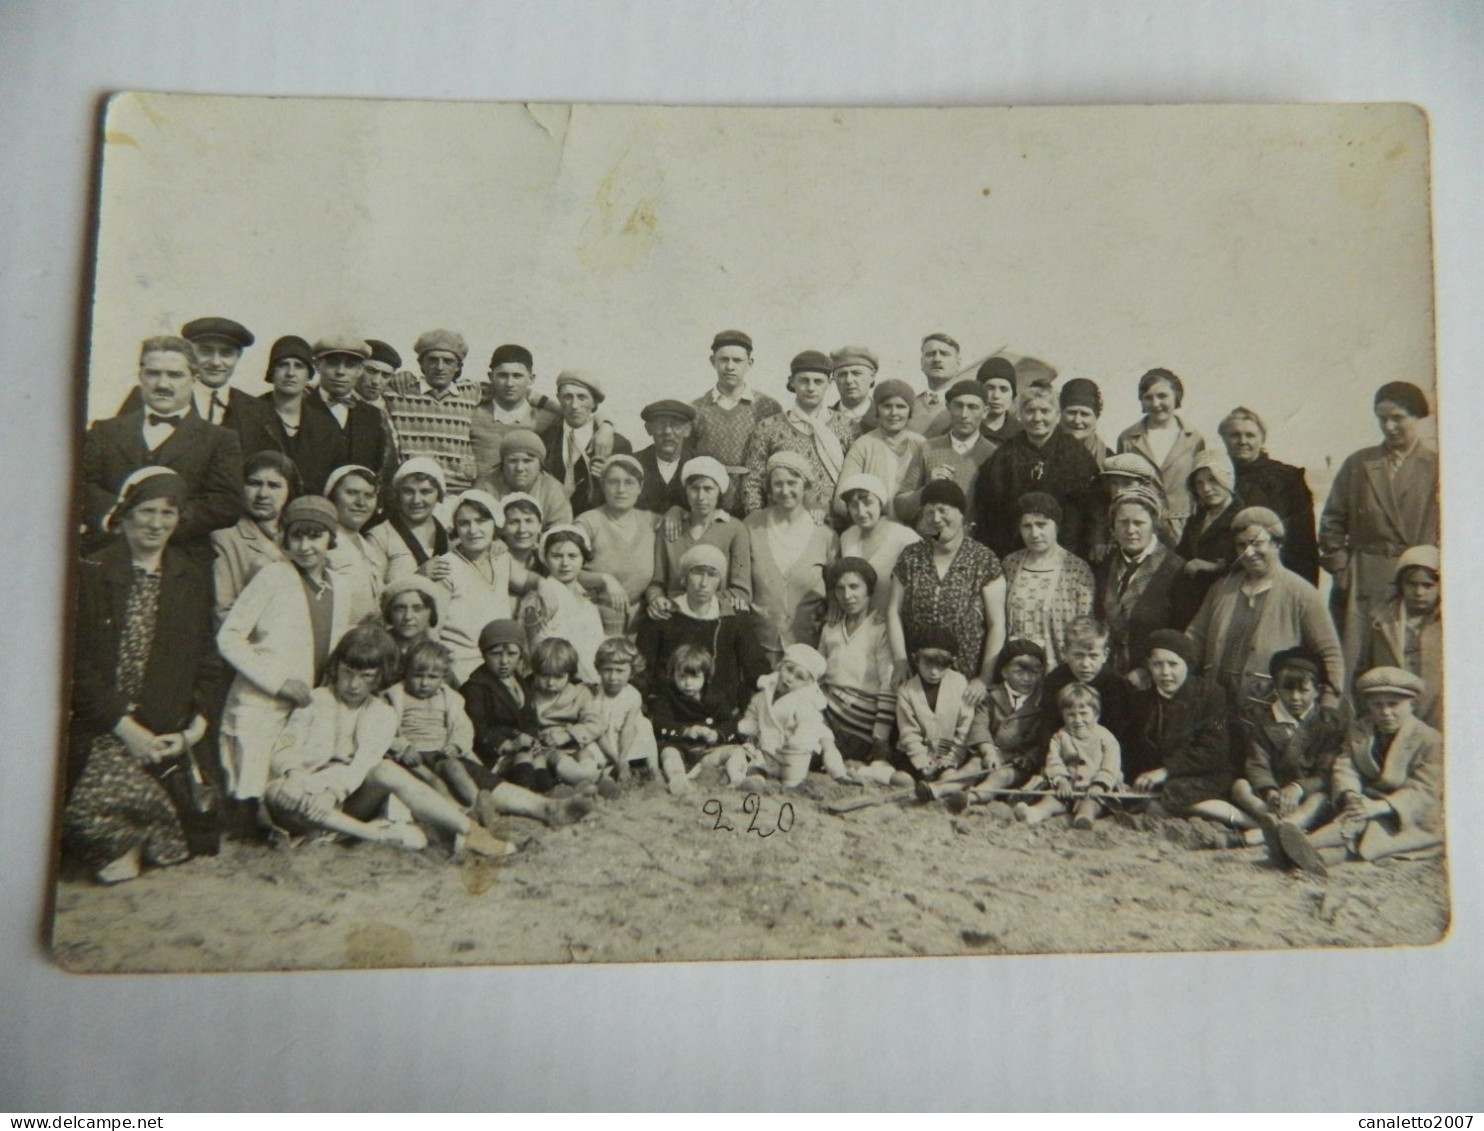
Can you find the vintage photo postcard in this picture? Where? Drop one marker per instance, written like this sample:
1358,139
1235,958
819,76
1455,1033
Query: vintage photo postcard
551,533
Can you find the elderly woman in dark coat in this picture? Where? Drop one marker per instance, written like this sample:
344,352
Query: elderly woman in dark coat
1040,457
145,676
1136,584
1264,482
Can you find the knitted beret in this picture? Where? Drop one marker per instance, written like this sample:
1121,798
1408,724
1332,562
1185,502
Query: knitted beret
450,341
1172,640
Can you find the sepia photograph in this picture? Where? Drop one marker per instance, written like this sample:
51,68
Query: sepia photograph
493,550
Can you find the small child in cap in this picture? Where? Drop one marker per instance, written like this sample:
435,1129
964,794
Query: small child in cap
933,720
785,723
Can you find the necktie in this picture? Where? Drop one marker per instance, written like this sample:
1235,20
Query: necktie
569,480
155,419
1130,567
218,408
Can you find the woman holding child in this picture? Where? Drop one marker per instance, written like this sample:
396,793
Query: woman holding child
143,682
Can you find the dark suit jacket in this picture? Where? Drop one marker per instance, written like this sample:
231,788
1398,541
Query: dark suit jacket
245,415
318,448
183,668
586,492
657,495
207,456
366,438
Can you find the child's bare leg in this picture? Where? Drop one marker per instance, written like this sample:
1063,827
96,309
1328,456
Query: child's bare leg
431,808
1000,778
456,776
573,771
834,764
1246,799
1311,811
509,799
736,765
672,765
1223,811
1042,809
1382,839
1086,812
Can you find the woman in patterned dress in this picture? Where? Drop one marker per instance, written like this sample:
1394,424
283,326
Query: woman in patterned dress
948,583
1048,586
144,675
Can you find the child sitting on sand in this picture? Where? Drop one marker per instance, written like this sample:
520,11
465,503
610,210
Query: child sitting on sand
1088,653
566,716
1082,761
785,722
932,718
1006,731
691,713
1387,785
498,700
1182,750
329,771
434,734
627,740
1290,745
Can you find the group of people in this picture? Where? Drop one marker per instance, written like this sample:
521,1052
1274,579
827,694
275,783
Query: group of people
383,605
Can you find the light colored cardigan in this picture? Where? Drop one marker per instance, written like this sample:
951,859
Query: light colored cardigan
1293,613
921,728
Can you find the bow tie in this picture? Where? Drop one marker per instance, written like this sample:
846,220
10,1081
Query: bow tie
348,401
155,419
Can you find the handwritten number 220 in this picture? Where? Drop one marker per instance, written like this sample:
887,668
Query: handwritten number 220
751,804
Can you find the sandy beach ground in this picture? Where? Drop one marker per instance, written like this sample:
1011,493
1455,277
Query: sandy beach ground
651,877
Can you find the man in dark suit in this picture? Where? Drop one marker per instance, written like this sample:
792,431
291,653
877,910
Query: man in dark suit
219,344
363,428
570,454
165,432
668,424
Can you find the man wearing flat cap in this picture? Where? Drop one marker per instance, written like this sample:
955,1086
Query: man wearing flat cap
165,431
853,369
432,418
669,425
364,433
957,455
571,444
727,415
377,373
508,402
219,343
941,366
998,378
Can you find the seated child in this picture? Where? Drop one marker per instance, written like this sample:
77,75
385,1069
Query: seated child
567,721
932,718
1082,761
1183,747
564,610
434,734
700,619
1006,731
627,740
497,702
1086,661
329,771
1387,784
692,716
1291,745
785,723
